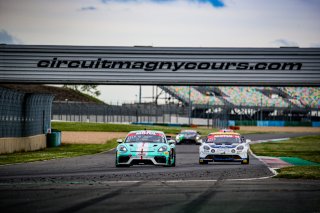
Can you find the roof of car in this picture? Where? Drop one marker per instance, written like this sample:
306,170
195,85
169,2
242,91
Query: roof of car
224,133
188,130
225,130
147,131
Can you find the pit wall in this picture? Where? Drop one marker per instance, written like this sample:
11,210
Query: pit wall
22,144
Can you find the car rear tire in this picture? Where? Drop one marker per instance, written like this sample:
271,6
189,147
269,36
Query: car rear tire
203,162
174,157
117,165
245,161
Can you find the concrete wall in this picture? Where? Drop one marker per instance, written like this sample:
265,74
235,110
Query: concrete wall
31,143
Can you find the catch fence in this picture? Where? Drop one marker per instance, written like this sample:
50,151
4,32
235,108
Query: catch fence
178,114
171,114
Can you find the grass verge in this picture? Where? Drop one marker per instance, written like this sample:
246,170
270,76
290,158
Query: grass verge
63,151
299,172
307,148
107,127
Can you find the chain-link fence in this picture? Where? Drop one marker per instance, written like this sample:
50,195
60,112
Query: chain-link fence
125,113
24,114
148,113
177,114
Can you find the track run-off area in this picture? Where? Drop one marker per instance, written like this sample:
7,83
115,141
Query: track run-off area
93,184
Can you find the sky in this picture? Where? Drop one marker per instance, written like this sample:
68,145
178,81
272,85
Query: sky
160,23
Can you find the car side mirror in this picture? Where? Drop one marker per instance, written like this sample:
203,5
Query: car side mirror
171,142
119,140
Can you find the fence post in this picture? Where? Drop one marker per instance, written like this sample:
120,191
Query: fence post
208,115
163,110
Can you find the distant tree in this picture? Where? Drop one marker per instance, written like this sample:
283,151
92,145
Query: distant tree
88,89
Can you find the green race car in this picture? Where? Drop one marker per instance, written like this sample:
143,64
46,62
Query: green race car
188,136
145,147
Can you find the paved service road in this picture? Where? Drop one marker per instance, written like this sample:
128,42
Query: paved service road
93,184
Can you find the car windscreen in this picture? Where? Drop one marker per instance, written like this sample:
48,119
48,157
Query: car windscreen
223,139
188,133
151,138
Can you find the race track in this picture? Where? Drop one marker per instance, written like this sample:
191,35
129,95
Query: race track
94,184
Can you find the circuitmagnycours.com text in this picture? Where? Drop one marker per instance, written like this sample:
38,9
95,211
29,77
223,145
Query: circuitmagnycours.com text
166,65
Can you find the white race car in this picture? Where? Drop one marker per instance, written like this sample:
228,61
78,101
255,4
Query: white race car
224,146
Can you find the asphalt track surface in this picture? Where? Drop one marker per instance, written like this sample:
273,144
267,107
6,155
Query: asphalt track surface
93,184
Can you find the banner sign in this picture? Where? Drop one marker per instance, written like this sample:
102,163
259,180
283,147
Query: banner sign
159,65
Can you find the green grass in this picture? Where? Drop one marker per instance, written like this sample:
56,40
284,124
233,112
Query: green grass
107,127
63,151
307,148
299,172
90,97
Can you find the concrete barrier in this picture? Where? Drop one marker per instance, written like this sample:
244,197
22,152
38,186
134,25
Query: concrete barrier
231,123
316,124
271,123
22,144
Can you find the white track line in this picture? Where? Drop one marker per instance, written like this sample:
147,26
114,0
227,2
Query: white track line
270,140
273,170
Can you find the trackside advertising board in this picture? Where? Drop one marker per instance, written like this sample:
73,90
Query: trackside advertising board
159,65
